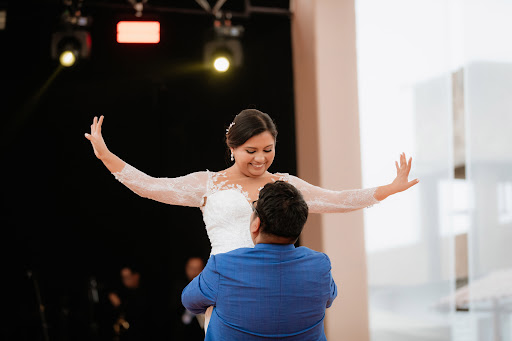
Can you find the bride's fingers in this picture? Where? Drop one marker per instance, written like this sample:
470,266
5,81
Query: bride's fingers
412,183
87,136
95,122
397,168
99,124
409,165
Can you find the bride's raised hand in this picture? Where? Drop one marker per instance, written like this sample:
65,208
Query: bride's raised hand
401,182
98,144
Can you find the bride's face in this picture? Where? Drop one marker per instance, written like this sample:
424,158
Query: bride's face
255,156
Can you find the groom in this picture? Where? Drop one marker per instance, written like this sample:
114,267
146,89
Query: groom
271,291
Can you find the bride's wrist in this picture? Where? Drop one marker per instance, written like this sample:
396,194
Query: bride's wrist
105,156
383,192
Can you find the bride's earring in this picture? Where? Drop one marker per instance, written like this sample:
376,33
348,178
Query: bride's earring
232,157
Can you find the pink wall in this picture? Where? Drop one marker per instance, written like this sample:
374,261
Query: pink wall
325,71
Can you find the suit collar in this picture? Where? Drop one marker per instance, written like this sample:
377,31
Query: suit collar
278,247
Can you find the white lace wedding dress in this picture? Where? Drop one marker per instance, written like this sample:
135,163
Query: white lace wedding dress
226,207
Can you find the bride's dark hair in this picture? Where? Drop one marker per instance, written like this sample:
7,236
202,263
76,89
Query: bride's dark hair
249,123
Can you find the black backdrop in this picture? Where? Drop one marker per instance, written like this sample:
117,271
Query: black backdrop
65,217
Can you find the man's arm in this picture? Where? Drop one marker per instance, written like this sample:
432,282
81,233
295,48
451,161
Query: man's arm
202,291
333,288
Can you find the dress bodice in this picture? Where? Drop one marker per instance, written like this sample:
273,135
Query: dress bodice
227,215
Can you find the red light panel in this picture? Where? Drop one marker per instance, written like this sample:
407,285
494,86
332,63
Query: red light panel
139,32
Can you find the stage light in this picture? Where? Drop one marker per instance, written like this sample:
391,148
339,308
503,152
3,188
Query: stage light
70,46
71,41
145,32
223,51
221,64
67,58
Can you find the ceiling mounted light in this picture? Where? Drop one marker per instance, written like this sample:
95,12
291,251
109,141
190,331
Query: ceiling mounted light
141,32
70,46
221,64
67,58
224,50
72,41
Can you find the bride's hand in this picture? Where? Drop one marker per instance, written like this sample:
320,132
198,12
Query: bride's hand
98,144
401,182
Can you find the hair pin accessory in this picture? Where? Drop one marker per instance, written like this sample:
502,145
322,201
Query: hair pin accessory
232,124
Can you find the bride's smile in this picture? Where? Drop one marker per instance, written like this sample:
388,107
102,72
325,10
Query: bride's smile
254,157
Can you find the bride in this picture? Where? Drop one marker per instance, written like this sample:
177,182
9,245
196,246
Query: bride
225,197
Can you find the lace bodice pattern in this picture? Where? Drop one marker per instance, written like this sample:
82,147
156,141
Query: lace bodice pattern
226,207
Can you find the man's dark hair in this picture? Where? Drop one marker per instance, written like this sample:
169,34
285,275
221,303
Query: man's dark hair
282,210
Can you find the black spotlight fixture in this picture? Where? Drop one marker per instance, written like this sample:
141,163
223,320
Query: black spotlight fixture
72,41
224,50
70,46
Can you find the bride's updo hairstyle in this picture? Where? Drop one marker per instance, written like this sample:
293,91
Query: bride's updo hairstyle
249,123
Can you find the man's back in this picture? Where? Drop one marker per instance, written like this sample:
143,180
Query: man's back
271,291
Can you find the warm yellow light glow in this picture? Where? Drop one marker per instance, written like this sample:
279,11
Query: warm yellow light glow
67,58
221,64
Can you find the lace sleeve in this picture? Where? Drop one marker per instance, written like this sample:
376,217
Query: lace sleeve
322,200
188,190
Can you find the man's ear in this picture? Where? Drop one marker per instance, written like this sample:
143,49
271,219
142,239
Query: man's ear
255,225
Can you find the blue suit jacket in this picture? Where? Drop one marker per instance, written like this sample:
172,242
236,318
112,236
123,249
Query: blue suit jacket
269,292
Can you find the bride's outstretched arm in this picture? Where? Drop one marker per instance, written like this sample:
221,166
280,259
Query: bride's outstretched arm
322,200
188,190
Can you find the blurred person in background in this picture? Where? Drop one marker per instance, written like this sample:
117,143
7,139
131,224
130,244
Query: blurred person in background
131,308
186,325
